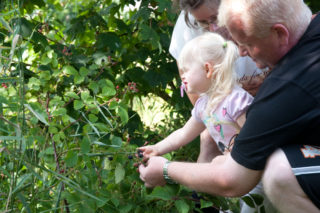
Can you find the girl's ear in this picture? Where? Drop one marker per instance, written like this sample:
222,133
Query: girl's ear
209,69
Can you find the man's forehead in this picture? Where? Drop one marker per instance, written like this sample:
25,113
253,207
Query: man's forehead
236,27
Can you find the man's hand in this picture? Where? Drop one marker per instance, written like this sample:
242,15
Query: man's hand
253,84
152,173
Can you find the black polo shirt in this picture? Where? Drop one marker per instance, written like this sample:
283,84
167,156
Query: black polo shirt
286,109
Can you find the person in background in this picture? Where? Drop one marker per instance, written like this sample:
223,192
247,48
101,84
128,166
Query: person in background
279,141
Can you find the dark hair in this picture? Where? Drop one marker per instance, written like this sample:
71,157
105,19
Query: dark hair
188,6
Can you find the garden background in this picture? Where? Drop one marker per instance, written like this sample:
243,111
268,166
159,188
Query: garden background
83,84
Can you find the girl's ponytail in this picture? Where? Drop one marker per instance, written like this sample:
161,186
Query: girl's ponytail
224,74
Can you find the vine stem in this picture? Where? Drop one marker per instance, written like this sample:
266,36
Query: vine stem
55,151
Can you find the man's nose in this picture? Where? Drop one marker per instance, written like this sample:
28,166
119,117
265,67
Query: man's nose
243,51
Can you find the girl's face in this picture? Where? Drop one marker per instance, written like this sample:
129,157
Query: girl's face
196,79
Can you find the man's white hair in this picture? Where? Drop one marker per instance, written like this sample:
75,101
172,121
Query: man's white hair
258,16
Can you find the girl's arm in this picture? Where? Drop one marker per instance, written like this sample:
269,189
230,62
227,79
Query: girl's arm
241,120
175,140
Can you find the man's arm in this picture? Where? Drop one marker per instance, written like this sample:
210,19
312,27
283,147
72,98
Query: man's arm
223,176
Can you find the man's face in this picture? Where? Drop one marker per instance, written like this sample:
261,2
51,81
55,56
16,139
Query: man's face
206,16
264,51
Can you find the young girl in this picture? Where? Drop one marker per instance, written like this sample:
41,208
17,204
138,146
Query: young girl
207,63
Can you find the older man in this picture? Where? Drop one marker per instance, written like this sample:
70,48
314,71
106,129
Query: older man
279,141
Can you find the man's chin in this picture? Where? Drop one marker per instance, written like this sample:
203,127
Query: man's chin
261,66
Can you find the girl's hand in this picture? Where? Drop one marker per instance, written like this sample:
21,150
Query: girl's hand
148,151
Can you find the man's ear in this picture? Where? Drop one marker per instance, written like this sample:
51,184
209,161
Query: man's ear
209,69
282,33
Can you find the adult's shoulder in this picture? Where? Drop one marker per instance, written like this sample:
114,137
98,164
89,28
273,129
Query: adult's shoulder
182,33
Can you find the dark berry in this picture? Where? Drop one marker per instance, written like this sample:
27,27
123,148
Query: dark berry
110,158
140,155
130,157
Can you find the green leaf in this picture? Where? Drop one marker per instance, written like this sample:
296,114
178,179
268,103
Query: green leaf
38,115
162,5
34,83
94,87
85,95
113,105
262,209
123,115
71,159
45,75
248,200
5,24
25,204
45,60
78,104
182,206
165,193
148,34
108,91
84,71
93,118
56,137
205,203
53,129
108,40
119,173
78,79
126,208
26,27
85,145
258,199
59,112
72,95
69,70
116,141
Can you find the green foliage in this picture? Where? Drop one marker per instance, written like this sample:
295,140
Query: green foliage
70,71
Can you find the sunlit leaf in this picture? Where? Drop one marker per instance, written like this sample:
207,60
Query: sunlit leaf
119,173
182,206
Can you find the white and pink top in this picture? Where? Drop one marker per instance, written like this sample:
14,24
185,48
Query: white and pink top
222,122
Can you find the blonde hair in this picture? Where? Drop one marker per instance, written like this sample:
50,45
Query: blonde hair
221,54
258,16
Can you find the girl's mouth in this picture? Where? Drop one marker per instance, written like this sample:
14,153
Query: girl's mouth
183,89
